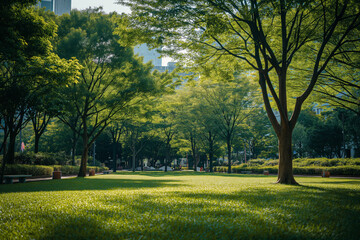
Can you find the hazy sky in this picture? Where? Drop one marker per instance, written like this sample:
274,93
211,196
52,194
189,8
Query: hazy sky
108,5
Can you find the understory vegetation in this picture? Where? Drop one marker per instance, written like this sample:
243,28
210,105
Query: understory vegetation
46,171
178,205
306,166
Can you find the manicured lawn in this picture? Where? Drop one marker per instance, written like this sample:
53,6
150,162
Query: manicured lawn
180,206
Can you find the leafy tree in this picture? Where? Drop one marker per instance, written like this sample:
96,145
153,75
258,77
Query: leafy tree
167,126
137,133
271,37
28,68
187,122
230,105
258,135
116,130
111,78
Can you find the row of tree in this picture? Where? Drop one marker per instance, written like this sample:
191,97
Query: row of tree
80,68
71,67
294,47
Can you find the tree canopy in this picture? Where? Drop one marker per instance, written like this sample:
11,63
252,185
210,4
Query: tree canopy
270,37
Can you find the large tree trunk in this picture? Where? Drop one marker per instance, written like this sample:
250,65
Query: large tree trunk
114,155
193,150
229,155
10,155
211,156
285,173
133,159
167,159
37,140
73,150
211,150
3,149
84,157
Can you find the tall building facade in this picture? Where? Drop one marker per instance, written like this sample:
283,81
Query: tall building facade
48,4
62,6
58,6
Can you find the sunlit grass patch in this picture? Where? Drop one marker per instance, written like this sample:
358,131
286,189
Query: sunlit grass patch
180,206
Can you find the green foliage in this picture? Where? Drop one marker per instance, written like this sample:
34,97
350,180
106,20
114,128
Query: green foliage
305,166
34,170
39,170
40,158
112,78
180,205
97,169
23,33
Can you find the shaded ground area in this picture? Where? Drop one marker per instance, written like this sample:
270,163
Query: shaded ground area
180,206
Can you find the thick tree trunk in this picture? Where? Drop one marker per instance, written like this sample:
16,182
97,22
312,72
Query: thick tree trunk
193,150
285,173
84,157
229,155
167,155
114,155
211,156
73,147
195,161
211,150
37,140
10,155
3,162
119,156
133,160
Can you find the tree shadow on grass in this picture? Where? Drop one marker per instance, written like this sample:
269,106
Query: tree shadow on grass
309,212
147,217
292,213
336,182
79,184
187,173
289,212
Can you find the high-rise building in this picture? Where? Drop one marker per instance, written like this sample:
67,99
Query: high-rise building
48,4
57,6
62,6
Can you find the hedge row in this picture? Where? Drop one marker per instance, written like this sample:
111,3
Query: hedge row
340,170
40,170
304,162
42,158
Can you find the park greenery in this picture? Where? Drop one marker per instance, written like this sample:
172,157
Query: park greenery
269,38
250,75
157,205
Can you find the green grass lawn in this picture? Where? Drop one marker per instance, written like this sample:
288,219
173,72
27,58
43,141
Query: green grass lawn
180,206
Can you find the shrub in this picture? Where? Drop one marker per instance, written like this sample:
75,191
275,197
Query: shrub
97,169
42,158
67,169
271,162
256,162
35,170
40,170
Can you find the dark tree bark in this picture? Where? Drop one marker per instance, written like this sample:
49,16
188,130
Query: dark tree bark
211,140
85,153
285,172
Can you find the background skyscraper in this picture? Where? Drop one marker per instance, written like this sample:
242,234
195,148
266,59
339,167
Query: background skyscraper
58,6
48,4
62,6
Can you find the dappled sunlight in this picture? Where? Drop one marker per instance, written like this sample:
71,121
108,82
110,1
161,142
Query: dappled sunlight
181,206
